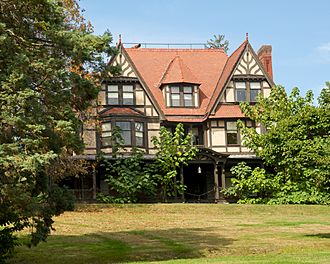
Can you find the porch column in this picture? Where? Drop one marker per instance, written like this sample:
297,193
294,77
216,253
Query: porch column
223,176
216,183
94,182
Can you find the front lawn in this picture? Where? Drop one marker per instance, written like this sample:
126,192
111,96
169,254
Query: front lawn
186,233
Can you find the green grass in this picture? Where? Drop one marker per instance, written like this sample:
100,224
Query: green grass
185,233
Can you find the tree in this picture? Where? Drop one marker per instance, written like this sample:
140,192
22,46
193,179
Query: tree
50,69
173,151
217,43
296,145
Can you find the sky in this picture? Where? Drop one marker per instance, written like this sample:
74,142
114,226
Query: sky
299,31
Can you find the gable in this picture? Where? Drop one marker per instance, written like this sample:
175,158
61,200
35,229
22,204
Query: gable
247,68
126,69
248,65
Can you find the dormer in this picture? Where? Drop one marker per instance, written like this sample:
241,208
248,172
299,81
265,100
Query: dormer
179,85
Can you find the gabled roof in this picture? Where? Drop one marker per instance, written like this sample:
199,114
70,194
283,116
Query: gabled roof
211,69
228,69
178,72
203,66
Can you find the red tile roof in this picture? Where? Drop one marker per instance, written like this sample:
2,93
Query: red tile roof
178,72
196,65
211,68
228,111
121,111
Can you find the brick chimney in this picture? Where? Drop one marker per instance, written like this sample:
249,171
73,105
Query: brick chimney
265,56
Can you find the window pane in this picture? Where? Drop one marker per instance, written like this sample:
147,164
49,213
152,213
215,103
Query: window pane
126,137
231,126
232,139
128,95
253,95
175,89
175,98
124,125
128,88
112,101
106,141
240,95
187,89
139,139
240,85
128,101
139,126
128,98
187,99
106,134
113,88
106,127
255,85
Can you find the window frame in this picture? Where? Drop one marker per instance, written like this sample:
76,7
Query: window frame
181,92
230,131
247,89
132,125
121,93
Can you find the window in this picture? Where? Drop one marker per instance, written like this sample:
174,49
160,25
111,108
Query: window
247,91
181,96
106,134
113,94
125,131
120,94
232,133
128,95
240,91
255,89
132,133
139,134
175,96
187,96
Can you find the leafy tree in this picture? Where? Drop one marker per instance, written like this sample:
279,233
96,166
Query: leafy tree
173,151
218,42
50,67
127,176
296,145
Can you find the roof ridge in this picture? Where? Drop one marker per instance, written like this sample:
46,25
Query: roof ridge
174,50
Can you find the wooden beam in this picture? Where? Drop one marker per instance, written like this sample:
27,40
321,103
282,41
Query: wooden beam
216,183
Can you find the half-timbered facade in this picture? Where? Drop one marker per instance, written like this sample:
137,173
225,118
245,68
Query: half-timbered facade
201,88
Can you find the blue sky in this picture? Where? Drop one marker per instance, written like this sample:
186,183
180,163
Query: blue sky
299,31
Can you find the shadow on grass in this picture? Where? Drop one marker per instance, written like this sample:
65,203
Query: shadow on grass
120,247
320,235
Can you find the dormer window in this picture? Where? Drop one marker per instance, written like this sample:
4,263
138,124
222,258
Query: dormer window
181,96
120,94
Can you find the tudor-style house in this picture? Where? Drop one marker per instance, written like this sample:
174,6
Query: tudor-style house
201,88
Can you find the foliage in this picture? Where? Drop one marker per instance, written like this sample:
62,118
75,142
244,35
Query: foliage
252,186
217,43
296,144
127,176
50,69
173,151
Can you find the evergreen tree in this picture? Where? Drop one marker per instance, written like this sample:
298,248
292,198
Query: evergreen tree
50,64
218,42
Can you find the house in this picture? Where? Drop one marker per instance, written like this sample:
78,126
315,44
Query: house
201,88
